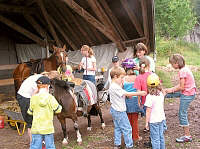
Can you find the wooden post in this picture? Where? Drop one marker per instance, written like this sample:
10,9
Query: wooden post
40,3
22,30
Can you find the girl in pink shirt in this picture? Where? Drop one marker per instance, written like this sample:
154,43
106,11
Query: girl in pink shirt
186,90
141,79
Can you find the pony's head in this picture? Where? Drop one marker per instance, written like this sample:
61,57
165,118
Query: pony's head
60,54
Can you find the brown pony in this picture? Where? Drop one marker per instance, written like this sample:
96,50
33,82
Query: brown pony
62,92
24,70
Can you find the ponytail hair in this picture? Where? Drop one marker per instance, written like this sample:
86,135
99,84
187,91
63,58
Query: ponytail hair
144,63
87,48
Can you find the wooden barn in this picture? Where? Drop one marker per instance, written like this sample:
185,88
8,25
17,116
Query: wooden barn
44,23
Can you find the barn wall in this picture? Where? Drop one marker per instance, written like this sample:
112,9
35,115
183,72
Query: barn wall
7,57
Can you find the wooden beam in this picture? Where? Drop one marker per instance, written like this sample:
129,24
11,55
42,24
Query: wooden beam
45,14
88,17
63,33
77,23
145,20
22,30
8,67
98,10
29,2
16,9
134,41
60,16
97,35
5,82
132,16
35,25
114,19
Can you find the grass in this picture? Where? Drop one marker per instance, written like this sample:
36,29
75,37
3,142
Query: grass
190,52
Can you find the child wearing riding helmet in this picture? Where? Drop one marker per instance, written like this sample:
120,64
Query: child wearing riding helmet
132,103
43,106
141,51
65,71
186,90
88,63
155,115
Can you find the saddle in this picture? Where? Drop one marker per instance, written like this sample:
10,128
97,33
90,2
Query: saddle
36,66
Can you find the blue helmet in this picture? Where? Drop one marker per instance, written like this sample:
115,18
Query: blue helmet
128,63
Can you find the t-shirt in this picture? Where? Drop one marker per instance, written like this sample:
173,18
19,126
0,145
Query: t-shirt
156,103
42,107
87,64
141,83
29,86
117,97
189,86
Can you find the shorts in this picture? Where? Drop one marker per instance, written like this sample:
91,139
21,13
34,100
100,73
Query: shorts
24,104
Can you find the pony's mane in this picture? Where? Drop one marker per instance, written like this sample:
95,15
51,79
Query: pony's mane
61,83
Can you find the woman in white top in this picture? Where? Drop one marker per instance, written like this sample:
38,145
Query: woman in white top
88,63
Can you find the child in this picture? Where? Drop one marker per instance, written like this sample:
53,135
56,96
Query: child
141,85
132,104
115,63
65,71
141,51
43,106
118,108
186,90
141,80
88,63
155,115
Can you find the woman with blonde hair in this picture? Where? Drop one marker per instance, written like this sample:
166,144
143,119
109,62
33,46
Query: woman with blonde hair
88,63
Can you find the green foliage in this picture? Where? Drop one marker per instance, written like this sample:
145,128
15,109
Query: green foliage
165,77
196,5
174,18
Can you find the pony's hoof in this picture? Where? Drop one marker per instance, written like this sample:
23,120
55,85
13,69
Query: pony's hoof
65,142
103,125
89,128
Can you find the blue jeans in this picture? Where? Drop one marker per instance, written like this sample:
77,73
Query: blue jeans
122,126
37,139
90,78
157,134
183,107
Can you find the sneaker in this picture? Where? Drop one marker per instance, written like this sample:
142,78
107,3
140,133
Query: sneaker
147,144
184,139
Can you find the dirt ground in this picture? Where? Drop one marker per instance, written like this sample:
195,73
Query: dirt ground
103,139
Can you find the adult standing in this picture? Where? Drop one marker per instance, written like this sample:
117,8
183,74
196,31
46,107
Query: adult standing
25,92
115,63
88,63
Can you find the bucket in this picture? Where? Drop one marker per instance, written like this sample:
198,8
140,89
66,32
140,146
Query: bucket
1,122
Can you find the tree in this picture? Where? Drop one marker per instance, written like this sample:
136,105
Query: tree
174,18
196,5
